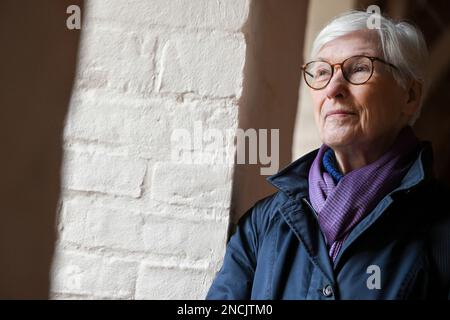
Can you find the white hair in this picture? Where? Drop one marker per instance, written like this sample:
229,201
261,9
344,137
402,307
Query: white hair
402,44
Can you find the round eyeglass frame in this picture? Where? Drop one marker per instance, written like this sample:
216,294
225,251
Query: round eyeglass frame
372,59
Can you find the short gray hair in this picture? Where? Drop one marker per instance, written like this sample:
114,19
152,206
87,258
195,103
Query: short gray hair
402,44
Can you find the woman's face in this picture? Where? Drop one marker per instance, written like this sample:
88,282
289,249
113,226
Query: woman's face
349,115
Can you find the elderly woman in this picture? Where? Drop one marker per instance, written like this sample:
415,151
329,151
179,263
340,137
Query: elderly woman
360,218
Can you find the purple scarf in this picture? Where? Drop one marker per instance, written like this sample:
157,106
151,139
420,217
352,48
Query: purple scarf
341,205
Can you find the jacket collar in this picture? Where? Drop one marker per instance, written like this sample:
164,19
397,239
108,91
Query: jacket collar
293,179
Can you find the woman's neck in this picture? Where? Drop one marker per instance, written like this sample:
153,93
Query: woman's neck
353,157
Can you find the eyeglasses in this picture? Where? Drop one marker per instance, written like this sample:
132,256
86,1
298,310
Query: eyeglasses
357,70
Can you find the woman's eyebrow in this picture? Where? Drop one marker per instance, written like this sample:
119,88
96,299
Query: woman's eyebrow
364,53
358,53
321,59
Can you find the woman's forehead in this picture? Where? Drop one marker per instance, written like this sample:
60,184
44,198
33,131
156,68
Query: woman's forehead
355,43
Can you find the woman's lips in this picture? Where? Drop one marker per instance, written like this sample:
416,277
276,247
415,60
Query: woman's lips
339,113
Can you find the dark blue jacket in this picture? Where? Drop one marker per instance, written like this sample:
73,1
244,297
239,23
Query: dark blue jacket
278,250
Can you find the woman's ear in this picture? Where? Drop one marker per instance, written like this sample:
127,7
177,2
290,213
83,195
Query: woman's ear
414,96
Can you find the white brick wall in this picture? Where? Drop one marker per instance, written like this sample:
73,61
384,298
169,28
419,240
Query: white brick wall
134,224
194,64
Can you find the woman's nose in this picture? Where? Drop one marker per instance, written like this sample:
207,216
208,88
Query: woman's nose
338,86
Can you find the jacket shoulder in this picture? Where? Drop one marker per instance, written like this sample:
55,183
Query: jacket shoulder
262,214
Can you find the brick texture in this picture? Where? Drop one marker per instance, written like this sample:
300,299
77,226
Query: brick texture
135,222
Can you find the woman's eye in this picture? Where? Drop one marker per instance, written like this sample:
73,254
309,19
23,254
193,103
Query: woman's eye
321,73
361,68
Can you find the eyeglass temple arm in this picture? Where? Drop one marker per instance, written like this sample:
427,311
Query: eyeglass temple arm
309,74
385,62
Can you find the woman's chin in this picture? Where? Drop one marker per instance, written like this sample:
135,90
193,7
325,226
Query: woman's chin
338,139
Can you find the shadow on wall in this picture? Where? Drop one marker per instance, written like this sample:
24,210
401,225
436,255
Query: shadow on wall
38,65
274,34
